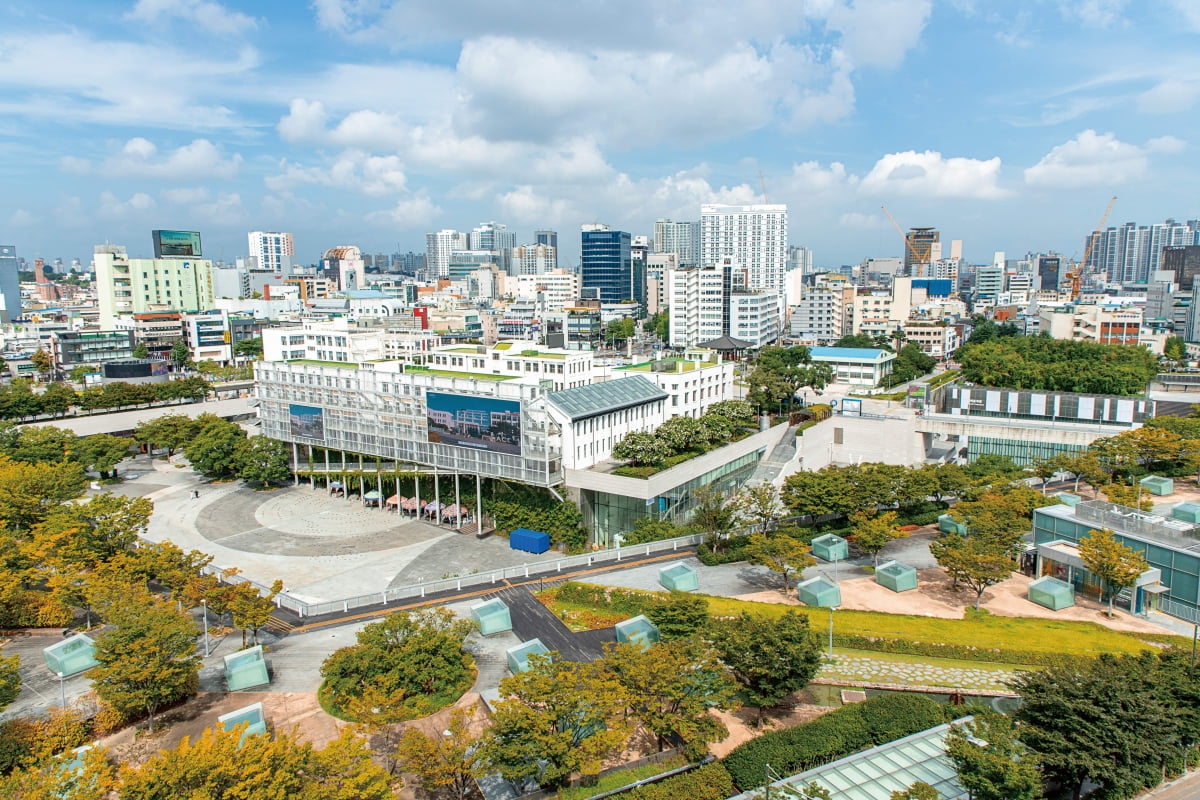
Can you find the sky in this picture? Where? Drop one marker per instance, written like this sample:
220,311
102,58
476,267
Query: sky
1008,125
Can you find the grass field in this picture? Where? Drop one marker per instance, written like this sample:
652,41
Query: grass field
983,631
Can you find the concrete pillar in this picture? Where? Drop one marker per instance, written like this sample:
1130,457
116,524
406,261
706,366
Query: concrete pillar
478,505
437,495
457,505
417,485
379,488
295,465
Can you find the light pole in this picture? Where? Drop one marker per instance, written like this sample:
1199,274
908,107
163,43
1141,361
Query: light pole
62,691
831,634
204,605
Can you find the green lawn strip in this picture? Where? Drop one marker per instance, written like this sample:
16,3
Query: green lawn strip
1032,634
982,632
621,777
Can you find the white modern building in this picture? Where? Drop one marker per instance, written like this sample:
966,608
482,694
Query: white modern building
695,302
857,366
438,247
679,238
825,312
272,251
534,259
553,291
753,237
754,317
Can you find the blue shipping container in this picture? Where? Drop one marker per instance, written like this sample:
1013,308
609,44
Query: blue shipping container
529,541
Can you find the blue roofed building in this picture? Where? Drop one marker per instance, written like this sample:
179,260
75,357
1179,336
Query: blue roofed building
857,366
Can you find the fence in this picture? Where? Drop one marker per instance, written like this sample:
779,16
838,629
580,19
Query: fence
1178,610
418,591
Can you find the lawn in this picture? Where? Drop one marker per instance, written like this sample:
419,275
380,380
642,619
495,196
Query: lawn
621,777
980,631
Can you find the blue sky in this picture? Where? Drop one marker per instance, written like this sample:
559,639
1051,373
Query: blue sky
1005,124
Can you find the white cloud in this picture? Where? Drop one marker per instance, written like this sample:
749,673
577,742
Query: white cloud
929,174
226,209
75,165
156,85
879,33
1090,159
1093,13
212,17
1169,96
416,212
855,219
372,175
186,196
529,206
113,207
21,219
139,157
1166,144
1188,11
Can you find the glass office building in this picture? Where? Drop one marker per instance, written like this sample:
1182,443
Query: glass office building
607,266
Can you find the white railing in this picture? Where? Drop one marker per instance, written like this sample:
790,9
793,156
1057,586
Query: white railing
459,583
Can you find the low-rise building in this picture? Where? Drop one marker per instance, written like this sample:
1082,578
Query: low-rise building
857,366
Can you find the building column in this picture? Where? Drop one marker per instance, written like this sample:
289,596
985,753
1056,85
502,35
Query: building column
417,486
437,496
457,505
295,465
478,505
379,488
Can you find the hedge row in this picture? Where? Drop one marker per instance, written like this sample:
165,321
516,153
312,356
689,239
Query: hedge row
960,652
710,782
835,735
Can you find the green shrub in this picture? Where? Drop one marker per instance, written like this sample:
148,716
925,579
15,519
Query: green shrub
732,550
710,782
830,737
17,737
620,601
954,651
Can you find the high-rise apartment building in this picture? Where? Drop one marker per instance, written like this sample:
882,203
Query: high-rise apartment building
273,250
680,238
439,246
1131,252
606,265
10,283
695,301
919,252
549,238
127,285
534,259
750,237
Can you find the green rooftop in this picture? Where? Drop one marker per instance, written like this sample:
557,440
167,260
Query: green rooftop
312,363
667,365
413,369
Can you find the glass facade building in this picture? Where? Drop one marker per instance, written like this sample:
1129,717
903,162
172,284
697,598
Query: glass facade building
607,266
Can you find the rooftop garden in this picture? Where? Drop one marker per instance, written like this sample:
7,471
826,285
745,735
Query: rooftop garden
680,439
314,363
1058,365
413,369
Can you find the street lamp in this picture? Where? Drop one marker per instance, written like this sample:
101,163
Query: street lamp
831,634
204,605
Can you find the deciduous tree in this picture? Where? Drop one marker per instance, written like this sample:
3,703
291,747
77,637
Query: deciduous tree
759,506
215,449
991,762
148,660
102,453
670,688
171,431
250,609
677,615
769,658
555,719
264,460
779,553
444,763
1116,565
872,532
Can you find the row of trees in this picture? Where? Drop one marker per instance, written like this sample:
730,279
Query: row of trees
19,401
1061,365
217,447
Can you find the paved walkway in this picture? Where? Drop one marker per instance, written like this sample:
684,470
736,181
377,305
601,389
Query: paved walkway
877,672
532,620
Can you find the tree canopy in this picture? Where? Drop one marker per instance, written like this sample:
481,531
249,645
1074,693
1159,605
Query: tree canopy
1061,365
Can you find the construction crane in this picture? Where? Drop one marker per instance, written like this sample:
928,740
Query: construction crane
907,244
1075,275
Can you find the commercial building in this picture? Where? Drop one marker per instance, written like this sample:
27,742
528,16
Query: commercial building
1050,272
157,330
696,306
1101,323
127,285
272,251
857,366
935,338
439,246
84,348
534,259
606,265
919,251
214,335
825,312
750,237
1184,261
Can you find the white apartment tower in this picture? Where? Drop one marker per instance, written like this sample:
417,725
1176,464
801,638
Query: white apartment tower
439,246
695,299
749,237
534,259
272,250
680,238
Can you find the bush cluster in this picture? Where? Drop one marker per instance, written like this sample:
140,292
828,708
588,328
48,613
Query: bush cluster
619,601
955,651
710,782
835,735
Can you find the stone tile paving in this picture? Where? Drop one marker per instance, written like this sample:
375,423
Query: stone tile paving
864,669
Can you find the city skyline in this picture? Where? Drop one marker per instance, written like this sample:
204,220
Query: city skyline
374,124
